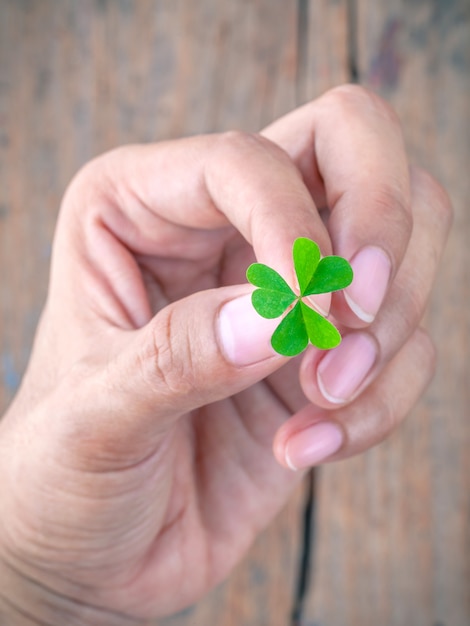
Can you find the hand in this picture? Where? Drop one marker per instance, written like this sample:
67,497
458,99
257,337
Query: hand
137,459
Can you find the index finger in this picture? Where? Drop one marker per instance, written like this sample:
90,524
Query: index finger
152,200
349,147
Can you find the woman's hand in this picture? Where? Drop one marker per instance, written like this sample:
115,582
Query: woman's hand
136,461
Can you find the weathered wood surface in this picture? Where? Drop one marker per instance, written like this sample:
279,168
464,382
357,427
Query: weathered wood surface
393,540
76,78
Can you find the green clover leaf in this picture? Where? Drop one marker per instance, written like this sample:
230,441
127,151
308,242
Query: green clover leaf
301,324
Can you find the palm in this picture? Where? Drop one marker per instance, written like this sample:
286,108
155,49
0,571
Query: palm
228,487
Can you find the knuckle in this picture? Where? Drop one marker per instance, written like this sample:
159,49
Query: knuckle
414,308
99,173
351,98
434,194
242,143
392,206
406,307
90,173
393,201
388,420
160,364
238,138
237,142
90,188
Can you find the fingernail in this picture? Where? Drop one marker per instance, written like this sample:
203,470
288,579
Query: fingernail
313,445
372,269
341,371
245,336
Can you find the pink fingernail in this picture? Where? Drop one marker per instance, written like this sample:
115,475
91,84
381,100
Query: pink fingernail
372,269
313,445
342,370
245,336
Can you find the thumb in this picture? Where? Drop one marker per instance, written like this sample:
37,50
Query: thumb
201,349
195,351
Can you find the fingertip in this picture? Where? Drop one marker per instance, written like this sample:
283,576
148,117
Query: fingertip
309,438
313,445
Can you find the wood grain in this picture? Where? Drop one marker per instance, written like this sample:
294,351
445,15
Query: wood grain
394,533
393,540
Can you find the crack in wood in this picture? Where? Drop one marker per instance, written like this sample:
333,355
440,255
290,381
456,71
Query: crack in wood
305,574
353,61
308,517
302,49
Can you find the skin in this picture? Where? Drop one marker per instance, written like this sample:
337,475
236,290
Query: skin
143,453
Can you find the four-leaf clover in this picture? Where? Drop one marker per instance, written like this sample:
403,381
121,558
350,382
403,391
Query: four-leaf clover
302,323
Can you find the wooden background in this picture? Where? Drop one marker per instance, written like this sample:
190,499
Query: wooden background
390,529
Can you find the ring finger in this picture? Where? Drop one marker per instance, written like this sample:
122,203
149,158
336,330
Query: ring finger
314,435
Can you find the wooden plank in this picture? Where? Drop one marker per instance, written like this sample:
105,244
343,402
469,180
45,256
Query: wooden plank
79,78
323,47
394,536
